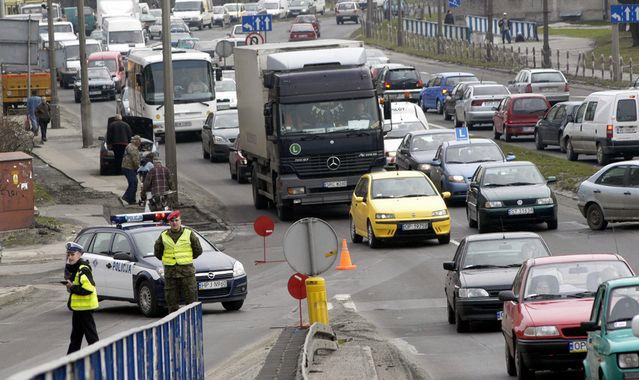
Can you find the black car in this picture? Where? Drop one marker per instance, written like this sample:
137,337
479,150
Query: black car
125,269
483,266
550,129
399,82
141,126
510,193
417,149
101,84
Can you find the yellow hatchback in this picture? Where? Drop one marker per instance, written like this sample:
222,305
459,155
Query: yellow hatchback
399,205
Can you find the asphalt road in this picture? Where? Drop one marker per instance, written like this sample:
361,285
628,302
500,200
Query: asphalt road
398,287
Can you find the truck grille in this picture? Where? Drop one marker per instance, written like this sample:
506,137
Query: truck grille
317,166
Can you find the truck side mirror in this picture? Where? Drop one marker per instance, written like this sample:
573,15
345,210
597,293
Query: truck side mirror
268,118
218,74
388,114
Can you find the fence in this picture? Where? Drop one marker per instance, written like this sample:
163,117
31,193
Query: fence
429,29
479,24
171,348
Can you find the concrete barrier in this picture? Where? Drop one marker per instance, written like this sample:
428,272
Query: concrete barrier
319,337
171,348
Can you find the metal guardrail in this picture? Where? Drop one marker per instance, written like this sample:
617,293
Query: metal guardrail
479,24
429,29
319,337
171,348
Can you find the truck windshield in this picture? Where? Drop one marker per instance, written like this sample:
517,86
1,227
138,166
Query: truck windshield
192,82
328,117
126,37
187,6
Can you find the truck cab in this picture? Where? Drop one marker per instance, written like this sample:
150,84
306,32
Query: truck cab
68,59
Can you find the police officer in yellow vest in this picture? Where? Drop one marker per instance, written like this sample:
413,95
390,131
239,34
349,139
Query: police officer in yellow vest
177,247
83,297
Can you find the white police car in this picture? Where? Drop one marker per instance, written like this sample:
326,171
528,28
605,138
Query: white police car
125,269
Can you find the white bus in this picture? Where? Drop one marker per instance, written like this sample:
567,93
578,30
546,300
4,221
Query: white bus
193,87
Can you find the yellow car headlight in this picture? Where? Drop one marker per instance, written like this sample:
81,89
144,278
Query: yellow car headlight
384,216
440,212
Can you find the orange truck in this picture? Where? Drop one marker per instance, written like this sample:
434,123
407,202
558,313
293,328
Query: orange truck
14,87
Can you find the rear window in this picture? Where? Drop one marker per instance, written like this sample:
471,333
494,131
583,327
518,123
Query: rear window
302,28
398,75
627,110
454,80
490,90
530,105
547,77
345,6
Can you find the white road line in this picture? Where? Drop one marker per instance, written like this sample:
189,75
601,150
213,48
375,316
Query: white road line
454,242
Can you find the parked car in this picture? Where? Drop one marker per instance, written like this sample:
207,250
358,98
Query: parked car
347,11
417,149
399,82
219,133
550,128
455,163
114,62
398,205
238,165
254,9
140,126
483,266
505,193
610,195
309,19
302,32
517,115
301,7
613,330
406,117
550,297
549,82
221,16
435,90
477,104
605,125
226,93
101,84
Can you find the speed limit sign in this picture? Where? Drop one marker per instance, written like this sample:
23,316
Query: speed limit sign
254,39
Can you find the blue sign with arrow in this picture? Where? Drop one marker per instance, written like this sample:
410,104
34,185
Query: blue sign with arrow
624,13
461,134
454,3
257,23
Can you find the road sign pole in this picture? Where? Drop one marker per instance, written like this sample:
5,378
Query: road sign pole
617,75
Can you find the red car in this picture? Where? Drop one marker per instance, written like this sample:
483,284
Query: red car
518,114
302,32
542,313
309,19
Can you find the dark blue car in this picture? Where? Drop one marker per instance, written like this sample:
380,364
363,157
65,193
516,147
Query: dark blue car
434,92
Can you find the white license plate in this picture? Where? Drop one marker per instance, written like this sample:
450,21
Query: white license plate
490,104
529,129
414,226
521,211
621,130
576,346
334,184
500,315
183,124
95,92
547,89
219,284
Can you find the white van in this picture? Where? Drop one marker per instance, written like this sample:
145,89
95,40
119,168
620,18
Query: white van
122,34
194,13
320,6
606,125
276,8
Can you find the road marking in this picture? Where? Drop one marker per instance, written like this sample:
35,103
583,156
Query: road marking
437,125
455,242
405,346
346,300
405,304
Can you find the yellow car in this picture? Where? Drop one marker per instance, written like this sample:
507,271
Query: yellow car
400,205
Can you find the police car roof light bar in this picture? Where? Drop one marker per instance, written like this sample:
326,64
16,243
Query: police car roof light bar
140,217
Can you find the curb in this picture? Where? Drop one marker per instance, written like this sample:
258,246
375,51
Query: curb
9,295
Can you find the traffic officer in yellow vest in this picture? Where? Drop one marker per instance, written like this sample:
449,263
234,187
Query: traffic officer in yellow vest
83,297
177,247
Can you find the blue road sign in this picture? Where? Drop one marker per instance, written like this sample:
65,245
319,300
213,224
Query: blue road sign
624,13
454,3
461,134
257,23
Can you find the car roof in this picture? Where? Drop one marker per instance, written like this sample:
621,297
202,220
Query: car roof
99,55
620,163
573,258
534,71
397,66
527,95
624,281
486,85
469,142
508,163
396,174
502,236
433,132
448,74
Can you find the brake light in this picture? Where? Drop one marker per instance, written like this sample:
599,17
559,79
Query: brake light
529,88
387,85
566,87
420,83
444,91
609,130
476,103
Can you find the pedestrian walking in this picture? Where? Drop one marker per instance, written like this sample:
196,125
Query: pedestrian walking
43,113
146,164
158,181
83,297
177,247
33,102
130,165
449,19
504,27
118,137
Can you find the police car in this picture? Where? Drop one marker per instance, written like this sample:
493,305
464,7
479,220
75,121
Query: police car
125,269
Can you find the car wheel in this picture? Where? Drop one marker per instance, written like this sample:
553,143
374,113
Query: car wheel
538,143
444,239
238,174
233,171
355,238
595,218
461,325
205,154
602,158
570,152
523,372
481,226
422,105
471,222
511,368
507,135
259,201
496,135
447,116
373,242
147,301
233,305
552,225
451,314
440,108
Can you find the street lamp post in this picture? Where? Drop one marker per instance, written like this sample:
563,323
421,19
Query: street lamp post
440,49
53,104
545,51
489,32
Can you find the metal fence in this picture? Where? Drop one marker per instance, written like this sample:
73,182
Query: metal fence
429,29
479,24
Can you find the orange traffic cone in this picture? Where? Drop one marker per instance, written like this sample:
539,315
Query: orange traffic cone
345,258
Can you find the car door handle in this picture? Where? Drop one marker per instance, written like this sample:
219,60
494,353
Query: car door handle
597,191
109,265
627,193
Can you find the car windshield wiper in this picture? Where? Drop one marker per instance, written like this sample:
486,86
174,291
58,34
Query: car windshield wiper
542,296
384,197
414,195
521,183
494,185
484,160
455,162
481,266
581,295
160,106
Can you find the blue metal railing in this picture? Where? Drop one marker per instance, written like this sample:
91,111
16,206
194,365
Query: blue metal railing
479,24
171,348
429,29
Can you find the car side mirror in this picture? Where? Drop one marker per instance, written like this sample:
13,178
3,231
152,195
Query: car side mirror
446,195
507,295
122,256
635,325
551,179
358,199
510,157
449,265
268,118
436,163
589,326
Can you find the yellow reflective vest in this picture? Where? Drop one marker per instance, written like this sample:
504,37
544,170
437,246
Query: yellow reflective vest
179,252
84,302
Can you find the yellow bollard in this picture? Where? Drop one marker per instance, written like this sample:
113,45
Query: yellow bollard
316,299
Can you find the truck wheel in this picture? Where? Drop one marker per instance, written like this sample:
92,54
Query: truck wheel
284,213
259,201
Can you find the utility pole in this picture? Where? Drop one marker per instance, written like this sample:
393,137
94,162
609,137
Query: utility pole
400,27
440,26
616,70
55,111
489,32
1,8
85,106
545,51
169,117
369,18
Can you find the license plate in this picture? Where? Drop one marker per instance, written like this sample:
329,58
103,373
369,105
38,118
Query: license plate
183,124
334,184
529,129
521,211
500,315
211,284
547,89
490,104
576,346
414,226
626,130
95,92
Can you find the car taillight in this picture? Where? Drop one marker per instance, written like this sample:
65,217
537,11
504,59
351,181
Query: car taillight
476,103
609,129
444,91
566,87
529,88
420,83
387,85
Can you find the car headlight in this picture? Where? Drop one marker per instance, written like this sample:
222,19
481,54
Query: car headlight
304,10
238,269
424,167
220,139
440,213
391,154
493,204
384,216
472,292
545,201
628,360
160,271
541,331
456,178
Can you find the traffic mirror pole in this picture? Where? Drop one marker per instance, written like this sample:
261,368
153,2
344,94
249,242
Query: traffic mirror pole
169,116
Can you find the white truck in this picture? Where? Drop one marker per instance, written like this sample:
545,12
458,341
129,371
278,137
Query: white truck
310,124
116,8
122,34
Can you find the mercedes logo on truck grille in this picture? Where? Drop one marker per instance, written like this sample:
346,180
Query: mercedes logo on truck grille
333,163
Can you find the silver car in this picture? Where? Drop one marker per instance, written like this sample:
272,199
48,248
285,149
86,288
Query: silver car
478,103
551,83
221,16
155,30
610,195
